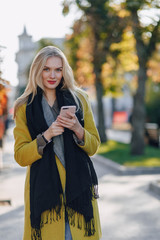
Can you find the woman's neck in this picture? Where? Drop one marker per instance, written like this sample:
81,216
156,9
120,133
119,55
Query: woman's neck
50,96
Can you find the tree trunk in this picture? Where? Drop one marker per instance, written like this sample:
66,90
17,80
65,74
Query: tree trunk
113,107
100,111
138,117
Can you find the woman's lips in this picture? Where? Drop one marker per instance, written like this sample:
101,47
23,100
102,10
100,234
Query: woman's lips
51,82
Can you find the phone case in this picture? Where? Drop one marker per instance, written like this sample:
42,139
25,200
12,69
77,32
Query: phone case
65,109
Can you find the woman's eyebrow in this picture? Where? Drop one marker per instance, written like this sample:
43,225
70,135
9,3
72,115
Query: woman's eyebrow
49,67
58,67
46,66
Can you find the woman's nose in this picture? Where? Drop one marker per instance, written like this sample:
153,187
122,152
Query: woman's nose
52,74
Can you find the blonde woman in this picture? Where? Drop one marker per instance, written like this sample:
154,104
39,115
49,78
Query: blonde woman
61,183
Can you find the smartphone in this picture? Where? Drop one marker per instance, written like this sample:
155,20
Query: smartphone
65,109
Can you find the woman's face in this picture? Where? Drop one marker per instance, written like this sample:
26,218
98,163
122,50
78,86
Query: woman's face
52,73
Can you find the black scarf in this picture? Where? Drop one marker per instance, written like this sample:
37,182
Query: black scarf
45,184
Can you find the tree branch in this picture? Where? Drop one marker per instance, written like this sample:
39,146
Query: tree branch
153,40
79,4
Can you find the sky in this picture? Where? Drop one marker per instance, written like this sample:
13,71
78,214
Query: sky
41,18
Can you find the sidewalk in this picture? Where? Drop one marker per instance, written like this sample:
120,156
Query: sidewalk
12,176
12,179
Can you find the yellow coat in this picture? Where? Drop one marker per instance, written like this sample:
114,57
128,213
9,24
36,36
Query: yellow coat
26,153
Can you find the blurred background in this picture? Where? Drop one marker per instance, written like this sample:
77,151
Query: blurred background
113,47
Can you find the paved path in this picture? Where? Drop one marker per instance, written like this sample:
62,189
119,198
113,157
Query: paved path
128,210
12,179
119,135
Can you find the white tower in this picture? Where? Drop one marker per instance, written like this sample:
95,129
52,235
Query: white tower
24,58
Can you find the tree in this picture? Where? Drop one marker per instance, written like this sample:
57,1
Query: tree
121,66
78,49
153,70
102,20
44,42
146,37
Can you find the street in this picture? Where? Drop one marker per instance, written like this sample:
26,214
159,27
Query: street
128,209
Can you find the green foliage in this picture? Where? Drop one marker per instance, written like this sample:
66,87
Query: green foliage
103,20
79,53
120,153
146,34
135,5
43,42
73,41
123,60
153,102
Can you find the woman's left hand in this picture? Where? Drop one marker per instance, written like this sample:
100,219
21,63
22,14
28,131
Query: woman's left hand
71,122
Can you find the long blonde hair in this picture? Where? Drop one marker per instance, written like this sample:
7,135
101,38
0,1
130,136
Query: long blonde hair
35,75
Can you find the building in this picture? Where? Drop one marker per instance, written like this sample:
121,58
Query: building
25,55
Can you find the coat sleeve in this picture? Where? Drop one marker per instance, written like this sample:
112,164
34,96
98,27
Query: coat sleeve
25,150
91,135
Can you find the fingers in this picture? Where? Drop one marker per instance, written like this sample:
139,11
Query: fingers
68,122
70,115
56,129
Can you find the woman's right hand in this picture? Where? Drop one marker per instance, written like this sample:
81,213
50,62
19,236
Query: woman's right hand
54,130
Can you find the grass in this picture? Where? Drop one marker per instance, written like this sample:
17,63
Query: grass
120,153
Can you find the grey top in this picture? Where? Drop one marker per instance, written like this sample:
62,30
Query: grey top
50,114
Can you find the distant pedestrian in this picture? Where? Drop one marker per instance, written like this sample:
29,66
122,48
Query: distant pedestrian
61,183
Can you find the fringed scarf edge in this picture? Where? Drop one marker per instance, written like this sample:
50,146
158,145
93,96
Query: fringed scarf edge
74,218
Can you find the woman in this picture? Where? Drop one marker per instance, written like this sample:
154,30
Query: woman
60,187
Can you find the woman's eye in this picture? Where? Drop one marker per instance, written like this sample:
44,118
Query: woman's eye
46,69
59,70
